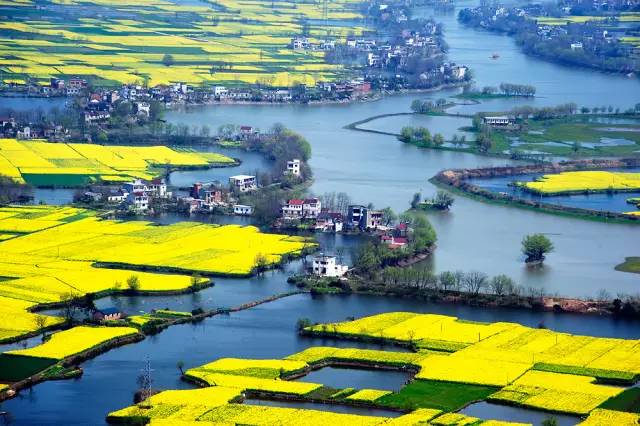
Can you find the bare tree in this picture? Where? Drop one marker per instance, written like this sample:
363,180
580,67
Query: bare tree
475,281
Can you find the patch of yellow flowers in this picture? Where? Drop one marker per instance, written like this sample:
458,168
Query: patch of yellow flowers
100,162
368,395
74,341
568,182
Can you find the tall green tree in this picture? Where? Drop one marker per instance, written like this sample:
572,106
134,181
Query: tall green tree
535,246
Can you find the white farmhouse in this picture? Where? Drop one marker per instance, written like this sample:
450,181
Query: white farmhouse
326,266
243,183
293,167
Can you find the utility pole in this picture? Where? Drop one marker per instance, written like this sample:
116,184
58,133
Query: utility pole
146,380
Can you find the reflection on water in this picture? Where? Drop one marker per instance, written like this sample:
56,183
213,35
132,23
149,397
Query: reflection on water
266,331
339,378
487,410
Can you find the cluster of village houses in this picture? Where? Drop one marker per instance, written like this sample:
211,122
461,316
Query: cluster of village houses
589,35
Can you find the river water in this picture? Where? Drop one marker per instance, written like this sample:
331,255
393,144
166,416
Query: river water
378,169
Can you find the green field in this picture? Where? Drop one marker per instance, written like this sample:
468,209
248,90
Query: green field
444,396
631,264
628,401
574,136
17,367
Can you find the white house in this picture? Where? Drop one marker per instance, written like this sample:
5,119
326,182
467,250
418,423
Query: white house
293,209
139,201
243,183
498,121
136,186
143,108
25,133
311,208
241,209
116,196
220,92
293,167
158,188
326,266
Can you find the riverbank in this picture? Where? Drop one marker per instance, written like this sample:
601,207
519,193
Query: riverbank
73,360
456,181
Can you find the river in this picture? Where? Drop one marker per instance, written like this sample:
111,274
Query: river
266,331
378,169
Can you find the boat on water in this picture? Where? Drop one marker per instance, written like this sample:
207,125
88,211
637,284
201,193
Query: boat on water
495,56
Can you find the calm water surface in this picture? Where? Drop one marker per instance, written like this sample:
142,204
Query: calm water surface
340,378
606,202
266,331
378,169
487,410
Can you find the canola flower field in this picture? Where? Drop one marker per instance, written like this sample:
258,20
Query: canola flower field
52,252
226,41
74,341
579,182
537,368
74,164
229,379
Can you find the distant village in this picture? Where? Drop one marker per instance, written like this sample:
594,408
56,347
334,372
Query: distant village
602,42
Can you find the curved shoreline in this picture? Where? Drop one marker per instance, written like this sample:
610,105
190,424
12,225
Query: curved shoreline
456,181
90,353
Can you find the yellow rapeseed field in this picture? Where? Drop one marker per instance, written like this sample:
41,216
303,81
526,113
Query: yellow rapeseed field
557,392
32,160
48,267
501,354
262,368
602,417
368,395
249,38
74,341
568,182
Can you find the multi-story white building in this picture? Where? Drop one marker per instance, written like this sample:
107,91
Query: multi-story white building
293,209
243,183
139,201
327,266
293,167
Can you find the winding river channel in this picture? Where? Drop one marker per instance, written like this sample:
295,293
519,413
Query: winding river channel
378,169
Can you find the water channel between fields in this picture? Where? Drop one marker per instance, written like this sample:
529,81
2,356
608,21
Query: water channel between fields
358,378
615,202
378,169
266,331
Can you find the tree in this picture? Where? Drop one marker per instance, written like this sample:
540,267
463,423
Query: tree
447,280
133,283
438,139
195,282
474,282
388,216
261,263
417,197
40,322
443,200
550,421
69,305
167,60
303,323
501,284
535,246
